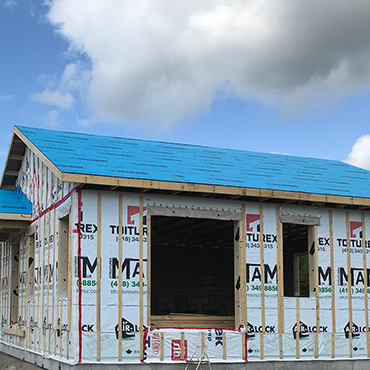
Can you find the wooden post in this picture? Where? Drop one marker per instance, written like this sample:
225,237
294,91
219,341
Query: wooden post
148,268
333,330
349,285
70,261
60,329
182,345
202,346
280,276
39,278
224,345
161,351
363,219
98,281
244,353
262,266
120,225
42,278
317,292
26,313
58,288
243,268
48,284
22,291
141,282
54,272
298,321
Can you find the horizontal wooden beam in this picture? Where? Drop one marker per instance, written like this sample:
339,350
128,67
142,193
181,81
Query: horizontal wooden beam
11,173
15,217
21,225
214,189
16,157
12,331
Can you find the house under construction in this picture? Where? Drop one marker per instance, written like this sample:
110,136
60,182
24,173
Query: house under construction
121,251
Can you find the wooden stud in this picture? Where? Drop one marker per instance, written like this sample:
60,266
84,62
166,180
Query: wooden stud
298,323
349,285
60,329
148,268
243,269
161,349
223,345
182,345
58,286
48,284
280,276
244,352
262,267
317,293
39,278
26,313
120,225
202,345
43,285
141,282
333,330
98,281
54,272
70,261
22,322
363,219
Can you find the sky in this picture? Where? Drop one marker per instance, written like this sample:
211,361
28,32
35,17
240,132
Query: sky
282,76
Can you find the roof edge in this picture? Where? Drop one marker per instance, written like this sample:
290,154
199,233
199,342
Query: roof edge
18,134
214,189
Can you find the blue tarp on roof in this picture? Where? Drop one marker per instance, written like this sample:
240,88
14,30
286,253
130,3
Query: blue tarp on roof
154,160
14,201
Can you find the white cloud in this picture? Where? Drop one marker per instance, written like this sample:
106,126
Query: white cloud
55,98
5,98
10,3
74,80
164,60
360,154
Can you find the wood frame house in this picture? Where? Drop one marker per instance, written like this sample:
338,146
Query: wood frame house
122,251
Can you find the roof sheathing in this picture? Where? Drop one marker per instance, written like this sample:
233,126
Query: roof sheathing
127,162
14,202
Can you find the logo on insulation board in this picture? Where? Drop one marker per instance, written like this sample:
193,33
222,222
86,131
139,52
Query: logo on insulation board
253,223
133,215
355,228
356,330
156,342
176,350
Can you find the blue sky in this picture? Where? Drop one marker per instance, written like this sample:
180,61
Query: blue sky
61,68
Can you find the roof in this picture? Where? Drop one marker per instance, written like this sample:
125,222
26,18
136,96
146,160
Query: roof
116,157
14,201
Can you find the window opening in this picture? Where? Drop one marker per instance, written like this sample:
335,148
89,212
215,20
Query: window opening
63,239
192,267
297,260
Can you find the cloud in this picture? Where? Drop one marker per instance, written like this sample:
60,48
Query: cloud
162,61
5,98
60,92
63,101
10,3
360,153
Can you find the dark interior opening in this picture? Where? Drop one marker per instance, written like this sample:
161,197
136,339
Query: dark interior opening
192,266
295,257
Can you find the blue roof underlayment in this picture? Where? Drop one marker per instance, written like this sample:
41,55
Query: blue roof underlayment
14,201
154,160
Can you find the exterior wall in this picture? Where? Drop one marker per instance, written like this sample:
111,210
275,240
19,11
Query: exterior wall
45,314
280,315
